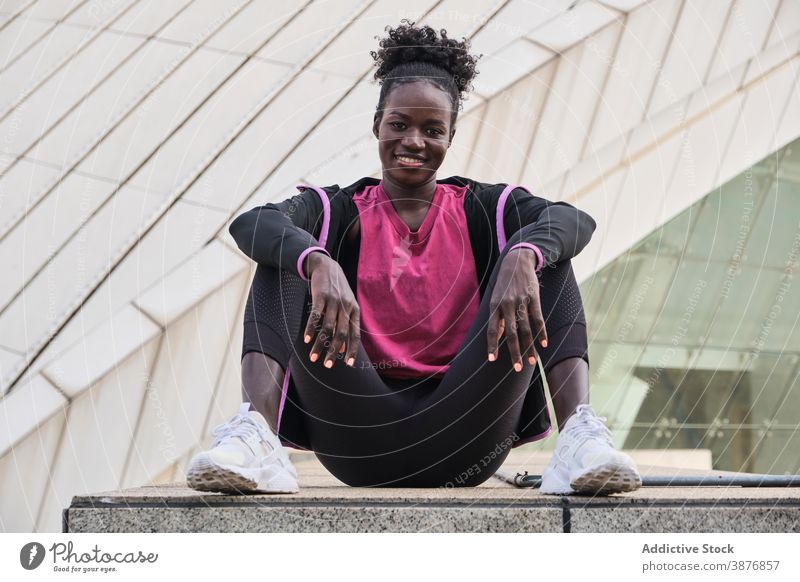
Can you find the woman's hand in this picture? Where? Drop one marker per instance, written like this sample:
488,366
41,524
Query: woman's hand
514,304
333,300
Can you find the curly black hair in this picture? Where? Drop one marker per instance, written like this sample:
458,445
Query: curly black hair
412,53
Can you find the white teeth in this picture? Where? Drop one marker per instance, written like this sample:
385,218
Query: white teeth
408,160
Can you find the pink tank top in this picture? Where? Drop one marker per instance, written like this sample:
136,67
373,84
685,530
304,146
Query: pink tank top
418,291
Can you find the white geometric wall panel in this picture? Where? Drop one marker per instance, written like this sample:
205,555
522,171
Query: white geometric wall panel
133,132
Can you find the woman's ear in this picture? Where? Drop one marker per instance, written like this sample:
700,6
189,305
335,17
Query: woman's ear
376,121
452,135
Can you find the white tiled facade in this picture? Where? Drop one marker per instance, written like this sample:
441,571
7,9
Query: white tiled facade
132,133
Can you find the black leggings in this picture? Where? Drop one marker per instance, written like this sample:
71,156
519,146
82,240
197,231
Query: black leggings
369,430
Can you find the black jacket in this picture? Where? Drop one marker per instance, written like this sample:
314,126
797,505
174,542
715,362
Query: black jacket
275,234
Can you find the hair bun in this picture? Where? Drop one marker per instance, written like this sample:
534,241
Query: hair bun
407,44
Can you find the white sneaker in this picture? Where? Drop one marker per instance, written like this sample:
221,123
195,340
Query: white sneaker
585,460
246,457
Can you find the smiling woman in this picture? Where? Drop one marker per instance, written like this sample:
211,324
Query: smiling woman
423,80
412,142
414,365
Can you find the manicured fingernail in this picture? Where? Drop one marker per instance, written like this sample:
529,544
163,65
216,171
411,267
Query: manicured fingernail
518,367
314,357
531,360
351,361
544,343
328,363
307,338
491,358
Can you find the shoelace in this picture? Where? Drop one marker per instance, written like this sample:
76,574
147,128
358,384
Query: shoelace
587,426
590,426
241,425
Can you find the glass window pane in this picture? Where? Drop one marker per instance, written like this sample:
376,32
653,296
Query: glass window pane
689,305
632,300
776,227
673,237
703,350
777,452
788,409
743,310
770,377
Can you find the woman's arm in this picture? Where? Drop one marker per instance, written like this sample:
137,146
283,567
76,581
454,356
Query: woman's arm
281,234
559,230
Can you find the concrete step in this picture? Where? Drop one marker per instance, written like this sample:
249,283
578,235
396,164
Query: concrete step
324,504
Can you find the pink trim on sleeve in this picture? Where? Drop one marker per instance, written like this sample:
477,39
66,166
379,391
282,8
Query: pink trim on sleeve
303,255
326,210
501,229
501,205
535,249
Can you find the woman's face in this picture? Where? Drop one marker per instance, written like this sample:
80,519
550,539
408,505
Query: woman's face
413,133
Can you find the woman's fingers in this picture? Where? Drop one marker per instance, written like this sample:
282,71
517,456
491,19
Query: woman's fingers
512,341
516,324
343,337
329,318
314,317
516,311
339,338
326,332
525,334
538,322
355,338
493,331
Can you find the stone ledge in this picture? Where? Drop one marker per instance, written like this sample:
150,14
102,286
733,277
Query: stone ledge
326,505
305,518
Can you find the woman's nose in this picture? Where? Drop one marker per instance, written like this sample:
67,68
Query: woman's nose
413,141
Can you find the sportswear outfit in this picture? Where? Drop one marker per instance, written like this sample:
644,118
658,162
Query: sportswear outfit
422,406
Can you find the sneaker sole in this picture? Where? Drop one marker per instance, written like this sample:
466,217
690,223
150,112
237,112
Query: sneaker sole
205,475
554,483
606,479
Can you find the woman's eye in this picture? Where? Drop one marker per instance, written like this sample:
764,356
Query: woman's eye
398,125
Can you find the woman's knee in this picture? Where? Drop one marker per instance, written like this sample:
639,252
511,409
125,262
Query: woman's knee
569,340
560,297
276,295
276,306
564,316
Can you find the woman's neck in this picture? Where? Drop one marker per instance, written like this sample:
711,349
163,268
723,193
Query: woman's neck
410,199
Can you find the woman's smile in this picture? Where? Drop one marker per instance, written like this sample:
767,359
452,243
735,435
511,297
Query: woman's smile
409,162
